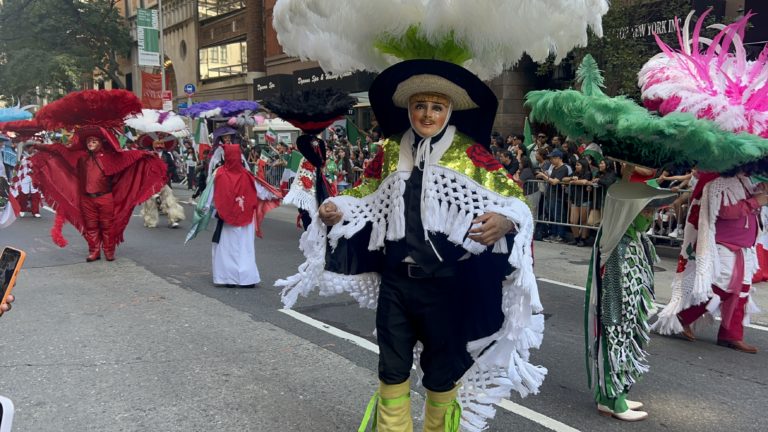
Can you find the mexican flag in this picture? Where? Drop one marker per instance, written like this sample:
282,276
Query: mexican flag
529,144
528,136
201,132
201,138
270,136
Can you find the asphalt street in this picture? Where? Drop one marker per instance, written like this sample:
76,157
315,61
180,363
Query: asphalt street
148,343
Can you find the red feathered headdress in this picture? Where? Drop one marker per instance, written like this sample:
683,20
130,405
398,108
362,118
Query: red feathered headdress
24,129
104,108
90,113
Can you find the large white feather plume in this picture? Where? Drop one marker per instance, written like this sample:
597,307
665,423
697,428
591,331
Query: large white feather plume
341,35
157,121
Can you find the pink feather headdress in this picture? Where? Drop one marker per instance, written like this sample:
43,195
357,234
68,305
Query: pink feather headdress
711,82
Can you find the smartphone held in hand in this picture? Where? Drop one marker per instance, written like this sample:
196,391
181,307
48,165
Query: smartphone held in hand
11,261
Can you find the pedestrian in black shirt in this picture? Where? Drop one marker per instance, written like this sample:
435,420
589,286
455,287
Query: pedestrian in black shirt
554,197
509,162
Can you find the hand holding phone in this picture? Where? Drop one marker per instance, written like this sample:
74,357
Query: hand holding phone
11,261
5,307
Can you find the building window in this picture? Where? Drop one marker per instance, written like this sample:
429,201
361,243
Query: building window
223,61
213,8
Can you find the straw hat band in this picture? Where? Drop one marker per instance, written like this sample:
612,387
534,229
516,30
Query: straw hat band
427,83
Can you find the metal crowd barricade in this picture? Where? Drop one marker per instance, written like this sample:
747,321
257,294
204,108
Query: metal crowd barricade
354,176
274,174
557,205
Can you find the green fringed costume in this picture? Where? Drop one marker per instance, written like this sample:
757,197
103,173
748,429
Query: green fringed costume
620,294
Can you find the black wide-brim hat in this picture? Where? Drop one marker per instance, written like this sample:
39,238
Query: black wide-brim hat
474,103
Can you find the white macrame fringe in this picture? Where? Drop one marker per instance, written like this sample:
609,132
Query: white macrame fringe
501,360
301,199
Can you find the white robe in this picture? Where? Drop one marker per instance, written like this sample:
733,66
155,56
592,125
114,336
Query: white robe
7,216
234,256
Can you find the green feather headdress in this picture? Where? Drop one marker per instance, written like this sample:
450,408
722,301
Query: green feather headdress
628,131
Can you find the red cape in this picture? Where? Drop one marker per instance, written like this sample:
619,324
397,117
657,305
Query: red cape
235,195
136,176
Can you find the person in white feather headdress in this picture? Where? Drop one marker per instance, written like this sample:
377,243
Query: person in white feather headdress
164,201
439,240
160,130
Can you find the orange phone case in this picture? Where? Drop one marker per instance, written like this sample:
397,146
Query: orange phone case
11,283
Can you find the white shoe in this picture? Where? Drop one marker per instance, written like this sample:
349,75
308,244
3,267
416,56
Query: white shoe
628,415
37,215
673,234
631,416
175,225
22,214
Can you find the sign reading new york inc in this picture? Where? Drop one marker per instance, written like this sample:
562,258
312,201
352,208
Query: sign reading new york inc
148,36
647,29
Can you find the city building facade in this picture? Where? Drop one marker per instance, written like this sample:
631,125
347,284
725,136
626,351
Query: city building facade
228,49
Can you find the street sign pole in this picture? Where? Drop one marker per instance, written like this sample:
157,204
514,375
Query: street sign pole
162,50
189,104
189,89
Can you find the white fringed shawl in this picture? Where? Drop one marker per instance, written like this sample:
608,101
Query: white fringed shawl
451,201
693,285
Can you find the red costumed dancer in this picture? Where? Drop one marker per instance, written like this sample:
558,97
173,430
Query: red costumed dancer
92,183
22,188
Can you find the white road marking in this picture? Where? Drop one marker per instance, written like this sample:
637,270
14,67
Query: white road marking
356,340
508,405
539,418
49,209
658,305
576,287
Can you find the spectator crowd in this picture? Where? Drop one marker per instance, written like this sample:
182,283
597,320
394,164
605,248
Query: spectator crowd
565,183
